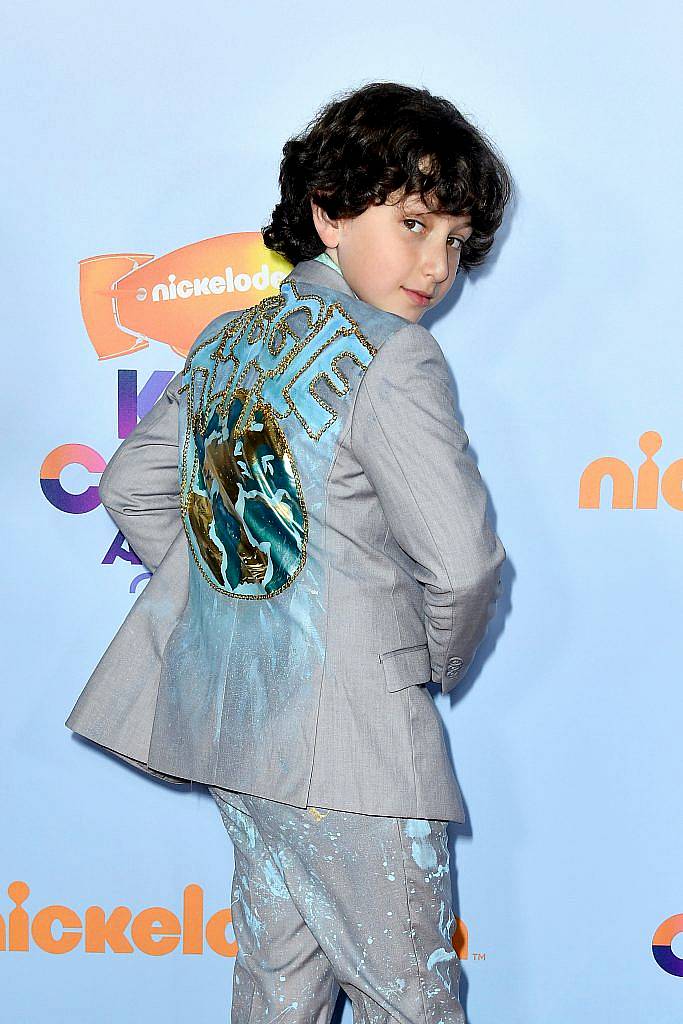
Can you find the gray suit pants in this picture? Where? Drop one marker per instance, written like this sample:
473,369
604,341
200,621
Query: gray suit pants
323,899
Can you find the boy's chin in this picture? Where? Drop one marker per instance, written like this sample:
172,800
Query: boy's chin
399,307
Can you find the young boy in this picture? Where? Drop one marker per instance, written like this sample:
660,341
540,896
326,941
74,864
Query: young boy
323,552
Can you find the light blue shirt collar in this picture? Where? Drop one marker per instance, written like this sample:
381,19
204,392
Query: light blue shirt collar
329,262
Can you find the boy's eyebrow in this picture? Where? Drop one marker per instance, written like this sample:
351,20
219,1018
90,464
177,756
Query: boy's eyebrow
424,212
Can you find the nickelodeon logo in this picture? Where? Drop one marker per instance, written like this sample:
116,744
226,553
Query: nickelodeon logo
646,482
130,299
155,931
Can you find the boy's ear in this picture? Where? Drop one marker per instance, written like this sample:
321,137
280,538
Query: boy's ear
327,228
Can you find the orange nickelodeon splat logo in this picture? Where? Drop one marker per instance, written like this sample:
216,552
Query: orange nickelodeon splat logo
648,485
130,299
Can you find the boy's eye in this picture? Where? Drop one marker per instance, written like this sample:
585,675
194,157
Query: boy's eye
453,239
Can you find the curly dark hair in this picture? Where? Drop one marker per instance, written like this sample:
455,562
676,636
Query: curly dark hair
360,148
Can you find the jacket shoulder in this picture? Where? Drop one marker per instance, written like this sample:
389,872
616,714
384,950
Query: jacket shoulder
210,334
409,354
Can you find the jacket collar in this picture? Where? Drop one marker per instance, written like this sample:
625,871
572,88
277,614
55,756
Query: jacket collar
315,272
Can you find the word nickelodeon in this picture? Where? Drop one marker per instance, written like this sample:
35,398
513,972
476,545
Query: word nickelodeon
130,299
155,931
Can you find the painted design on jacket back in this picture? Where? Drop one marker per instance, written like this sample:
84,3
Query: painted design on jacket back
242,502
241,680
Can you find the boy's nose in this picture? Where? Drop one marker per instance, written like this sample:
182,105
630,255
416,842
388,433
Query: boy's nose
435,270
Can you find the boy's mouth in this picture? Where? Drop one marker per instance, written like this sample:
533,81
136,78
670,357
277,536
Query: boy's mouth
420,298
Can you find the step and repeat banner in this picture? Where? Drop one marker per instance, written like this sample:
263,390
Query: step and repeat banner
140,160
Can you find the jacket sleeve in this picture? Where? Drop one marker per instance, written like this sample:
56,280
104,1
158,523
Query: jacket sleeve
413,450
140,485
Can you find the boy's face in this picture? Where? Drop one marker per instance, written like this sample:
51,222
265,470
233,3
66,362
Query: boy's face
390,252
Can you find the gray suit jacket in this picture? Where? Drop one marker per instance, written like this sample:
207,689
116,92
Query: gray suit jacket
320,550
